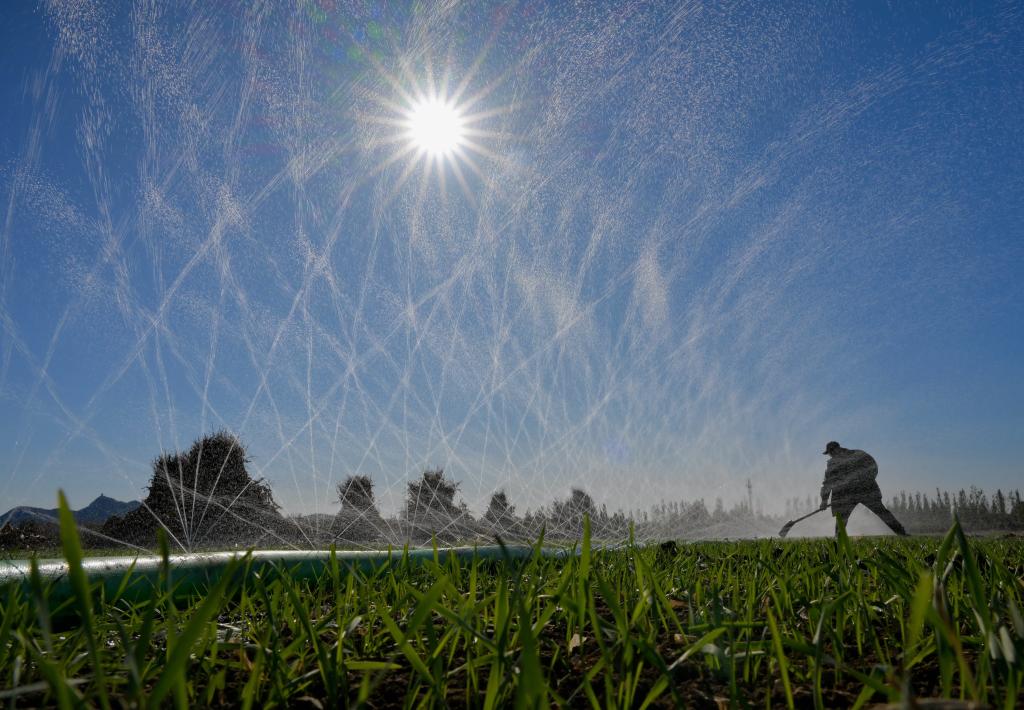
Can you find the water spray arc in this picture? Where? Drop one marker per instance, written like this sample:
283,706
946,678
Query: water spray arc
545,247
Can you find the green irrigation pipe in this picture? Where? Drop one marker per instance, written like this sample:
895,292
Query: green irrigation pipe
137,578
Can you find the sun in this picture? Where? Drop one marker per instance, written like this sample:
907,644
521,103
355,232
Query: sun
435,127
438,129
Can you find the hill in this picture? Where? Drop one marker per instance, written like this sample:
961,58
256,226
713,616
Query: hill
96,512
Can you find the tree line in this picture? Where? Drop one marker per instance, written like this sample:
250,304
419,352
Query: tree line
206,497
976,510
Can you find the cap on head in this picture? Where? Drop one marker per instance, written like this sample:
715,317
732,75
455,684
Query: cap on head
831,447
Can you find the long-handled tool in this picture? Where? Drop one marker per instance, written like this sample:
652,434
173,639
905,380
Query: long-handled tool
788,526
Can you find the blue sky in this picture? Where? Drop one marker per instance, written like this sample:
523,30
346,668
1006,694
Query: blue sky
688,245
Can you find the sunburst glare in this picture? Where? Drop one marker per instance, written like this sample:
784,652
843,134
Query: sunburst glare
435,127
442,131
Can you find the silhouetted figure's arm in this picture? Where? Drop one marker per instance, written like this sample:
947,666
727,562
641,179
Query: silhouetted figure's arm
831,470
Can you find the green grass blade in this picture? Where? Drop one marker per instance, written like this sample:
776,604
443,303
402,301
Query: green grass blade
53,675
531,691
176,667
918,610
72,547
407,650
780,657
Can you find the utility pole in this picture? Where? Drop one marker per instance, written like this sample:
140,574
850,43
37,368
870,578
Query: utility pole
750,497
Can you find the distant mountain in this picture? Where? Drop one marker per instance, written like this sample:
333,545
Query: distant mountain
96,512
101,509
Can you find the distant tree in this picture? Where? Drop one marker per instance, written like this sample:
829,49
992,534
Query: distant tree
698,513
533,523
431,510
358,520
204,496
999,503
356,491
1017,510
500,514
566,518
432,493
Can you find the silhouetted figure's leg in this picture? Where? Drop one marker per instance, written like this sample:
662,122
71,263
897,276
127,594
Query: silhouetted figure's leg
842,512
876,506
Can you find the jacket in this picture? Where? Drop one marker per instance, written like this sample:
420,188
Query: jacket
850,476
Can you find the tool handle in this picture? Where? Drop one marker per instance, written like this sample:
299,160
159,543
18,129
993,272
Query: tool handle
813,512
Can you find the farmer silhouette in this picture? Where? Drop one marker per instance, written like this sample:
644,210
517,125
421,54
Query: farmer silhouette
850,479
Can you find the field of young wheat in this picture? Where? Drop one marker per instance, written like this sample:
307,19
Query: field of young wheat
825,623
